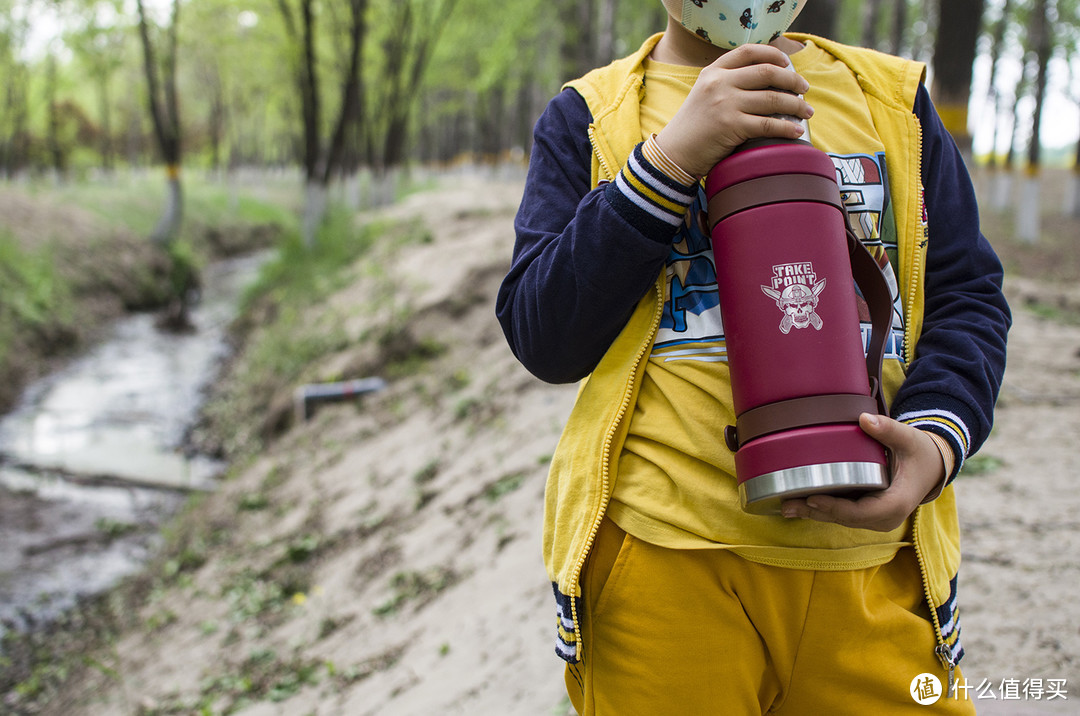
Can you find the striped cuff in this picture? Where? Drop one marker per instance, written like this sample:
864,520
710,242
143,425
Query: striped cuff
947,426
647,197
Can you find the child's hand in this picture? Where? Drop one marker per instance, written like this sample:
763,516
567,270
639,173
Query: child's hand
917,470
730,103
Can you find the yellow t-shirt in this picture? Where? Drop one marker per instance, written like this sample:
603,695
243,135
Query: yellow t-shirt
675,484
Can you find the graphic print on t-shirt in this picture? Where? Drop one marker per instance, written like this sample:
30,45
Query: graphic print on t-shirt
692,328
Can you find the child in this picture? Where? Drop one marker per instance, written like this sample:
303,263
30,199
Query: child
671,598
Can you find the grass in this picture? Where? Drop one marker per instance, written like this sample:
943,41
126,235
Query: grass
286,329
35,304
504,485
415,586
135,200
980,465
303,275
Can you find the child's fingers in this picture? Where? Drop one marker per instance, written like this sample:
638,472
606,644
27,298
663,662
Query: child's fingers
756,67
769,102
882,511
748,55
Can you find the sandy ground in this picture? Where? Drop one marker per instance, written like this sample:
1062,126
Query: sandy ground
1021,520
424,592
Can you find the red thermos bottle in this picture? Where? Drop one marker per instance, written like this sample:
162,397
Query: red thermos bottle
799,374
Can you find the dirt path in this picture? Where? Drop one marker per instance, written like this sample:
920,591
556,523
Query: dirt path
1021,518
386,560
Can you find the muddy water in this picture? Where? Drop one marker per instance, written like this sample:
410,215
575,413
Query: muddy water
91,460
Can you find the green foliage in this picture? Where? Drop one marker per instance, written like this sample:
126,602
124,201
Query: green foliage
427,473
262,675
302,275
504,485
483,84
251,597
415,586
253,501
32,298
303,548
114,529
977,465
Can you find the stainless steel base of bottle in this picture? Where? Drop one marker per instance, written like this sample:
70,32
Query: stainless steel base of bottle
763,494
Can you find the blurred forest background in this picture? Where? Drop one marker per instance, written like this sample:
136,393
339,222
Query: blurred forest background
340,86
145,97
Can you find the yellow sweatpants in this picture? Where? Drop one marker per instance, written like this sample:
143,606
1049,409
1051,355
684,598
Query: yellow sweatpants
698,632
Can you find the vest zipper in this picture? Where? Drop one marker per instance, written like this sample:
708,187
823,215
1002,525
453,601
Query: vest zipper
604,167
605,468
916,264
941,650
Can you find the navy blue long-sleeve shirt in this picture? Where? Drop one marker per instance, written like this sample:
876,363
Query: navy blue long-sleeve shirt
582,260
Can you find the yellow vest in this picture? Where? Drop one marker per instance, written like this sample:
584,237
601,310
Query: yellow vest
581,479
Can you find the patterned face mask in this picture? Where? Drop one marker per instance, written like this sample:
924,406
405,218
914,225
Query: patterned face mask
730,23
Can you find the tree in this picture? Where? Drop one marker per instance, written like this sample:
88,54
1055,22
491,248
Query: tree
14,91
898,27
165,113
959,22
819,17
1069,11
98,42
164,108
1041,41
871,20
1072,190
997,42
407,51
321,159
578,36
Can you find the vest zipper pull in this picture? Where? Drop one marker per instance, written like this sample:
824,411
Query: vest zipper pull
945,655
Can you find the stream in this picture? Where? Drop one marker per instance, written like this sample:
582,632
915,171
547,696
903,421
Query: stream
91,460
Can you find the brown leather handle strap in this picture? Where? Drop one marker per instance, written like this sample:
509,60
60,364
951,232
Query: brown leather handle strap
875,289
774,189
797,413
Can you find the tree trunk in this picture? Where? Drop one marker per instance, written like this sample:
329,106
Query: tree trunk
871,21
1072,191
168,225
959,22
351,94
994,96
108,162
578,37
56,152
310,92
164,111
1028,211
818,18
413,49
899,26
1003,186
1071,207
605,36
315,196
306,72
